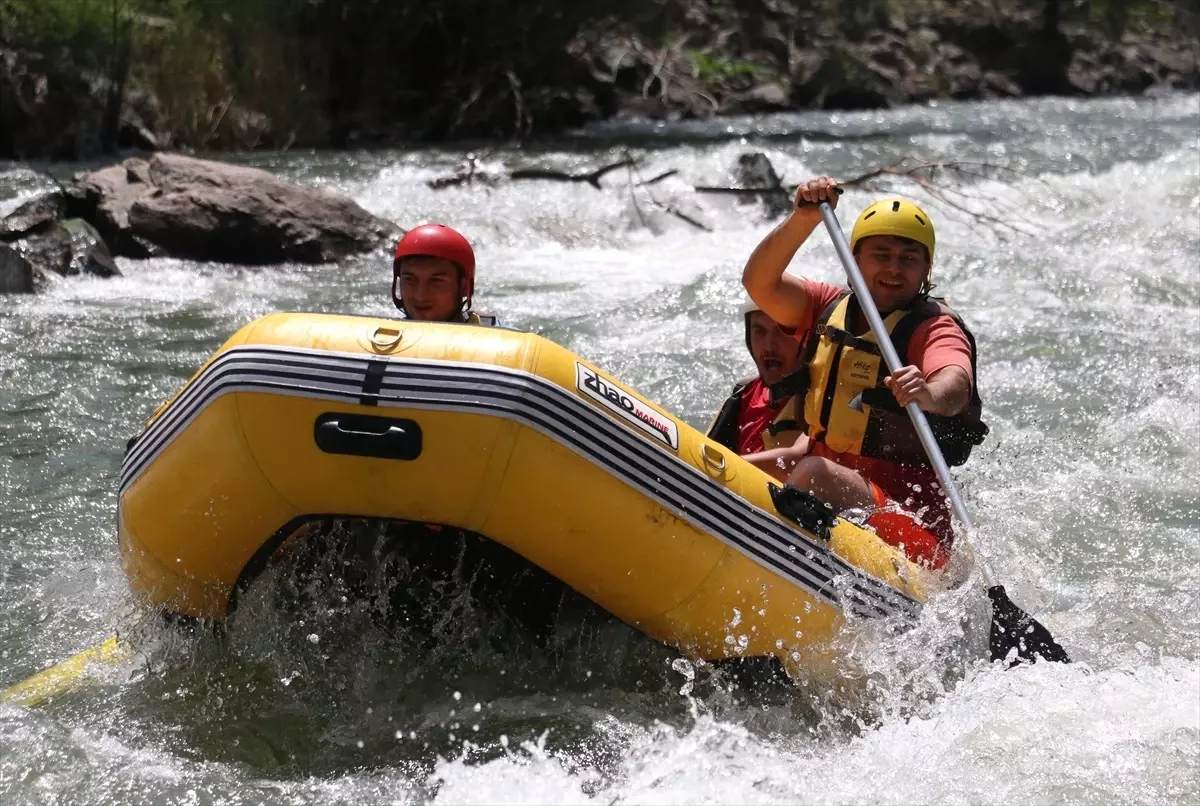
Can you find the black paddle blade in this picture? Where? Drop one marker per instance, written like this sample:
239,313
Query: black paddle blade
1013,628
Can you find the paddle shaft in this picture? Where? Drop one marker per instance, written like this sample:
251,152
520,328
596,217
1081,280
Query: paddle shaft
867,304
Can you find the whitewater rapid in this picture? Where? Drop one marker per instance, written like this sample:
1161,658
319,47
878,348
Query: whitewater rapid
1087,313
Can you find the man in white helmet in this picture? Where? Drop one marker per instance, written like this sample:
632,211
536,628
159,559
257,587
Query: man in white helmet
748,422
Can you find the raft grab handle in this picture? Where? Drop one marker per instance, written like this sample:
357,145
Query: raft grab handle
368,435
708,452
383,338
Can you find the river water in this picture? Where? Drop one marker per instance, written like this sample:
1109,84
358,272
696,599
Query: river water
1087,314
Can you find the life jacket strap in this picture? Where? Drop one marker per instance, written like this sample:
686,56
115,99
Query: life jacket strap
846,339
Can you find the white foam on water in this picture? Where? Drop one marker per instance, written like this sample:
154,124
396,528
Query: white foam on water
1047,733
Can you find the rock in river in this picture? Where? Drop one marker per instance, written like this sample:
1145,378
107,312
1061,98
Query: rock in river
202,210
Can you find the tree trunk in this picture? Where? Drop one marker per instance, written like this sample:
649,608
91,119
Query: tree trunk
118,74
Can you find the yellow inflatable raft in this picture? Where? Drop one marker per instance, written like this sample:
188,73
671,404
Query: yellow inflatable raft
504,434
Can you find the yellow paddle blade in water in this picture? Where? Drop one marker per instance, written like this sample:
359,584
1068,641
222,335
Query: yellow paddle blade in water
66,676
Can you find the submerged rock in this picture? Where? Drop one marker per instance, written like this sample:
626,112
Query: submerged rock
753,170
35,242
67,248
40,211
203,210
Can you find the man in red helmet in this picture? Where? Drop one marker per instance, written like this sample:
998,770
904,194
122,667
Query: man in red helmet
433,276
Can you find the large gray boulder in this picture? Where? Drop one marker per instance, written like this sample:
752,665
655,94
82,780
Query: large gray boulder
203,210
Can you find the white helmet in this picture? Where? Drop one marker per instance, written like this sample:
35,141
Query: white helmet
749,307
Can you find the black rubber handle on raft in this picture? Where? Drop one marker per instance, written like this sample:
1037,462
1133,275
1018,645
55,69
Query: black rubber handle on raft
803,508
368,435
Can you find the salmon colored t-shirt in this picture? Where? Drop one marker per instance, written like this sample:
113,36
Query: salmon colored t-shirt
936,344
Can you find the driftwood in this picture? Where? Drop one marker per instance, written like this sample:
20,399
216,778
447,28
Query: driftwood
472,171
953,183
773,197
637,181
962,196
468,172
591,177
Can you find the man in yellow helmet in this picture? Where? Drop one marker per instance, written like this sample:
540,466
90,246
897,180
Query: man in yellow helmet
862,450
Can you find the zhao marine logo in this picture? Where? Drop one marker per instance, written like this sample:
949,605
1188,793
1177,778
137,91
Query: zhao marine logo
627,407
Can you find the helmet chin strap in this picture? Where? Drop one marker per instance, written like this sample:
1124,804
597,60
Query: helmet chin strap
465,305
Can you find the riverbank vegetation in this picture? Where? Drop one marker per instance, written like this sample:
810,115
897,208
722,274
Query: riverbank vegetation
81,77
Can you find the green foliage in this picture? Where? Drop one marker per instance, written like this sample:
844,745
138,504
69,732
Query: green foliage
1114,17
713,67
857,19
89,30
198,57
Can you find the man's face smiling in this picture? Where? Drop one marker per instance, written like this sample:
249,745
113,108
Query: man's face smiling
894,268
431,287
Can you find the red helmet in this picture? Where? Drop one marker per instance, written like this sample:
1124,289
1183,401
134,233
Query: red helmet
435,240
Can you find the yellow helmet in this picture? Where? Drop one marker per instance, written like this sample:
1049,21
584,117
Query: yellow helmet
895,216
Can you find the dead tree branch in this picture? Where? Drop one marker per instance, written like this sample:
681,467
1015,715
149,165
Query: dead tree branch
780,192
954,184
655,180
471,171
592,177
633,199
666,207
468,172
962,196
682,216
